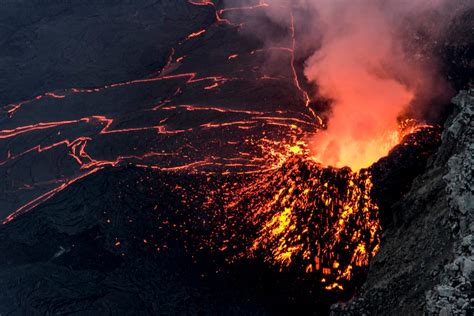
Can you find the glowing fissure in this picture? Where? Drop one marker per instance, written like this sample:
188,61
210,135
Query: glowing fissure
191,79
44,197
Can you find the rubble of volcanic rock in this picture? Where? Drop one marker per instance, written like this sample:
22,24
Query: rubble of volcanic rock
426,261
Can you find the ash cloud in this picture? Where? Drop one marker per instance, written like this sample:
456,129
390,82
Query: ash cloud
372,60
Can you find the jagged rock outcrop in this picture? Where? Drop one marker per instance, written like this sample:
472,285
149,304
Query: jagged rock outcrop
454,294
426,262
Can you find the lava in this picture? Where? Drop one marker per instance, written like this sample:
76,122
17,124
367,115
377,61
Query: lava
44,197
261,4
304,218
195,34
295,75
191,79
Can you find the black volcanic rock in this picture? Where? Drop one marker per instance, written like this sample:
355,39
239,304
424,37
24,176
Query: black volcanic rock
102,37
98,247
129,241
393,175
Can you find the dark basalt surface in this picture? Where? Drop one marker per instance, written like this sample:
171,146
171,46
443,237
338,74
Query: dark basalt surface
52,45
124,241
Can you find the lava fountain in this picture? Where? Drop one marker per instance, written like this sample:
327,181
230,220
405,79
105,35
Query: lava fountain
309,219
314,212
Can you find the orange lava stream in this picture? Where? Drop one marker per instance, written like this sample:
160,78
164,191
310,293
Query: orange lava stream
261,4
191,79
44,197
195,34
295,75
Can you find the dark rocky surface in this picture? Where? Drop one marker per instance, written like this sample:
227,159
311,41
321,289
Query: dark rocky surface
102,37
125,241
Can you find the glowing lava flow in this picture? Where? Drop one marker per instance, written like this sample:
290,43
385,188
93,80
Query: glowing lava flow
295,75
191,79
261,4
44,197
195,34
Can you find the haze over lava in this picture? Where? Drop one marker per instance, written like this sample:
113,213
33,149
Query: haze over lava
363,58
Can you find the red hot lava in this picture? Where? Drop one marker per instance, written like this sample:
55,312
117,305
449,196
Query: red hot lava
309,219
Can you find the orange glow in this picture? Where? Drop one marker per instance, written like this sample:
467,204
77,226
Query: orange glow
196,34
363,126
310,218
359,67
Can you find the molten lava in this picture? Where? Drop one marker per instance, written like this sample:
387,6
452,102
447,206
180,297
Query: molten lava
311,219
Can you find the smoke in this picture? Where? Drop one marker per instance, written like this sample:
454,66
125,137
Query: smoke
370,59
364,67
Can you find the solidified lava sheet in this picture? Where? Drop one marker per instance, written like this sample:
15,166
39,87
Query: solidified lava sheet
209,157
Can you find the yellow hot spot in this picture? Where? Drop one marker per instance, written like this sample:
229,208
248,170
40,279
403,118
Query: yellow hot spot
284,255
334,286
282,221
296,149
375,250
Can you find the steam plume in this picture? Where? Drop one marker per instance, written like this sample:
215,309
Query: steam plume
367,61
363,67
